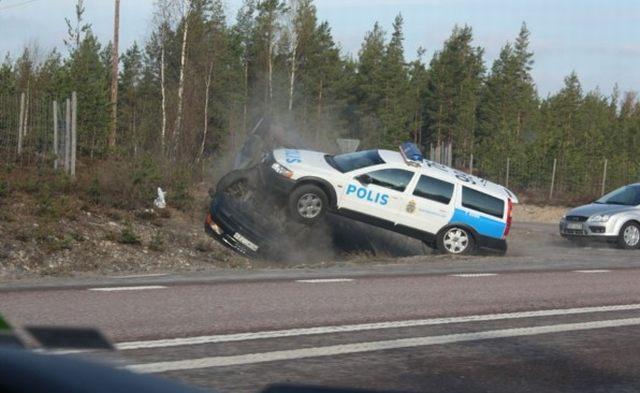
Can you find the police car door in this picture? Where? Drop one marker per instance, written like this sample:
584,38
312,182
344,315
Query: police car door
377,193
429,205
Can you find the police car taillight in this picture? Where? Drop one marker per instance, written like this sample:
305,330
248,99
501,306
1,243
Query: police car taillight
411,154
509,210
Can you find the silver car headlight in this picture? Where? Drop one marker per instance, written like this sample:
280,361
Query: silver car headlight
599,218
281,170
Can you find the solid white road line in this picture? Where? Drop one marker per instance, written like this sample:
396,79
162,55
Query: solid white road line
473,275
137,288
325,280
593,271
199,340
333,350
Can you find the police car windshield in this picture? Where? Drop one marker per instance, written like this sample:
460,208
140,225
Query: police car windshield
351,161
628,196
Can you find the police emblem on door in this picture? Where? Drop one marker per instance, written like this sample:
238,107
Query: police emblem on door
411,206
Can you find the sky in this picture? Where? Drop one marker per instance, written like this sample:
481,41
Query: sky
598,39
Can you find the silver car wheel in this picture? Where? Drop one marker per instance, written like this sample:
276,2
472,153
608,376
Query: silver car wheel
309,205
456,241
631,236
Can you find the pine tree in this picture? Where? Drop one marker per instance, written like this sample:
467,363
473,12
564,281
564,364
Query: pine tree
241,41
454,86
128,101
369,88
507,109
87,75
395,111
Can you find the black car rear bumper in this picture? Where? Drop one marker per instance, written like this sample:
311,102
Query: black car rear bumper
236,228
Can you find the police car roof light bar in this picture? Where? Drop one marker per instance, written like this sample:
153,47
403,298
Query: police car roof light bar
411,154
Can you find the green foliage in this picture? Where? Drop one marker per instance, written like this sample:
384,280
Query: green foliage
4,189
94,191
456,74
180,194
54,245
157,242
128,236
507,110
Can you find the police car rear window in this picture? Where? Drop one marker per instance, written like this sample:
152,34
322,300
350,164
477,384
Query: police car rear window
351,161
482,202
434,189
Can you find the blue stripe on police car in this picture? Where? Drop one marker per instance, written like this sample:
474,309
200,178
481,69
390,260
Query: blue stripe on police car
483,225
367,195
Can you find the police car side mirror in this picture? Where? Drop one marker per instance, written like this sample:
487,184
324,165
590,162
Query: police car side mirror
364,179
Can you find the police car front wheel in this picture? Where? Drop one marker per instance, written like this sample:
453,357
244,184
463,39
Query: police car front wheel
308,203
455,240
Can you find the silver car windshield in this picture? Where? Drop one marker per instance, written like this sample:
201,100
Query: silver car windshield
627,196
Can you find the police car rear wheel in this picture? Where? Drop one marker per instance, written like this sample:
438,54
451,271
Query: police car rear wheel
455,241
308,203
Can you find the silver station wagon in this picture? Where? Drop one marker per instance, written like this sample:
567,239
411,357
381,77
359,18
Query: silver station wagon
614,218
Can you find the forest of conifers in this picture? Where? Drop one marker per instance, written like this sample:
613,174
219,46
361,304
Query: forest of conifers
192,88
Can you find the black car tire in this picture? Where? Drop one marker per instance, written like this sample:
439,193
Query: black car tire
456,241
624,241
308,204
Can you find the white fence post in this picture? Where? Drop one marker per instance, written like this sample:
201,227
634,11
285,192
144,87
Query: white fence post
471,165
67,137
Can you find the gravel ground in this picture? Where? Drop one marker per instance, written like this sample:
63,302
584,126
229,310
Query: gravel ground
89,240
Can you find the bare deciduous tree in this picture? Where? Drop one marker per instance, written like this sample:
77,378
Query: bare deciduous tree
186,10
114,75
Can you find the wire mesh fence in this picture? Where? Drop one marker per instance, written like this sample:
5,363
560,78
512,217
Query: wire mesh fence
38,131
557,180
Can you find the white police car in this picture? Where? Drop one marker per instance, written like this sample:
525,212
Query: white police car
399,191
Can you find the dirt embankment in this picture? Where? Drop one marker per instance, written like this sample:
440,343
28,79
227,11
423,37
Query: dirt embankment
72,237
542,214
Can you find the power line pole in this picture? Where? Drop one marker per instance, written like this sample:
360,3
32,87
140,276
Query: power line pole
114,75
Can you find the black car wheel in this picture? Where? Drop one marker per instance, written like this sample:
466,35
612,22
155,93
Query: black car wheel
308,203
629,236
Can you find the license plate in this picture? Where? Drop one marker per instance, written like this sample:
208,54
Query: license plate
245,242
574,225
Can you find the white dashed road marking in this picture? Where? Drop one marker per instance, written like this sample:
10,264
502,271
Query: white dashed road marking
473,275
141,275
593,271
138,288
333,350
325,280
174,342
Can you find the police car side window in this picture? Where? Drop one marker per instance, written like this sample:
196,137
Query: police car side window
434,189
395,179
482,202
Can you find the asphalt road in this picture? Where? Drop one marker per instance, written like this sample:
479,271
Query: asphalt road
567,322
